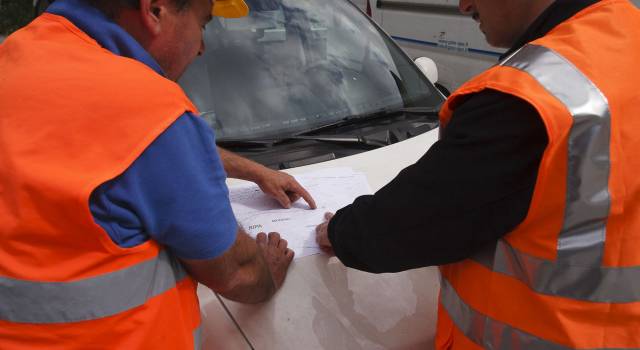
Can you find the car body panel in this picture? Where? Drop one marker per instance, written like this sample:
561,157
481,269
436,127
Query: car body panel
324,305
219,330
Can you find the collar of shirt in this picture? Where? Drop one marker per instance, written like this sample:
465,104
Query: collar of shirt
556,13
103,30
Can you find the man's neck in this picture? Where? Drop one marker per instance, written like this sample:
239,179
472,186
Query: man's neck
130,21
551,16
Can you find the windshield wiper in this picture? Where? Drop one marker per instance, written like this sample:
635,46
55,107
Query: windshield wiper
230,143
340,139
365,117
346,139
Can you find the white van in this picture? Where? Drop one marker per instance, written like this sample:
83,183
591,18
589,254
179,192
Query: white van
436,29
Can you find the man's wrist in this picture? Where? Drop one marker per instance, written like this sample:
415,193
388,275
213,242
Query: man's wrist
241,168
255,172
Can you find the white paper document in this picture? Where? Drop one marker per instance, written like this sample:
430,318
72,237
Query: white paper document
332,189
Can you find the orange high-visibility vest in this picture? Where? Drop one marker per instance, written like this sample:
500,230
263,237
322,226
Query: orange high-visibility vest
568,277
72,116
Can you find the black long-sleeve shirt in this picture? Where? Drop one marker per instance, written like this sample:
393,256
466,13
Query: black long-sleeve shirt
471,188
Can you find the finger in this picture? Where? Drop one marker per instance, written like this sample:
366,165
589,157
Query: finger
274,238
283,199
261,238
297,189
321,234
289,254
328,250
328,216
319,228
282,244
293,197
324,241
325,237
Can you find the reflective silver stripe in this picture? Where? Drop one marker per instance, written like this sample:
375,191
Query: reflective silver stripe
490,333
581,241
197,338
577,272
91,298
589,283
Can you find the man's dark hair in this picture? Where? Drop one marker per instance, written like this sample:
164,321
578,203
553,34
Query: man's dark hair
113,7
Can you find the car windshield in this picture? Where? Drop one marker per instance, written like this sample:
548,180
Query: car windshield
295,65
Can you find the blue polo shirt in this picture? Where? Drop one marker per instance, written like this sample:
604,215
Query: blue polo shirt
175,192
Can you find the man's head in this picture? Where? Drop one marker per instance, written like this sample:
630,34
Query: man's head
170,30
504,21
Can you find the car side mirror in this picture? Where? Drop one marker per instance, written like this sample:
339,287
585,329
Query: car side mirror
428,68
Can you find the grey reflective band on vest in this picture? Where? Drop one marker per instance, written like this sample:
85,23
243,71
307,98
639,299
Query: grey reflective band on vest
91,298
197,338
577,272
588,283
581,241
490,333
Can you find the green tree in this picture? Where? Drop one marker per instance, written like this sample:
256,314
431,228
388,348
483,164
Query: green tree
14,14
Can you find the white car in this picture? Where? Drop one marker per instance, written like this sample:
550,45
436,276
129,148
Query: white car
303,85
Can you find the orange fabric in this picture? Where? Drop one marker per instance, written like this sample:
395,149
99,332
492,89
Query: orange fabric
152,326
445,326
607,52
75,115
449,337
615,71
573,323
549,185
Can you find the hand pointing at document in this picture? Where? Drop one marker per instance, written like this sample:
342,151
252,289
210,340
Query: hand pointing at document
322,234
283,187
280,186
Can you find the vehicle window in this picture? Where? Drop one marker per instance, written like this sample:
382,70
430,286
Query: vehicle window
293,65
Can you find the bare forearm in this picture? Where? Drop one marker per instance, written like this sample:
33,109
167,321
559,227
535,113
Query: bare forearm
241,274
252,282
238,167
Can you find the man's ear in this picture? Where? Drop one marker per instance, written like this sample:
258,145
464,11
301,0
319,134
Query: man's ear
152,11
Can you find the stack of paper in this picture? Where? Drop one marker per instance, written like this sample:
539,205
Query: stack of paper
331,188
